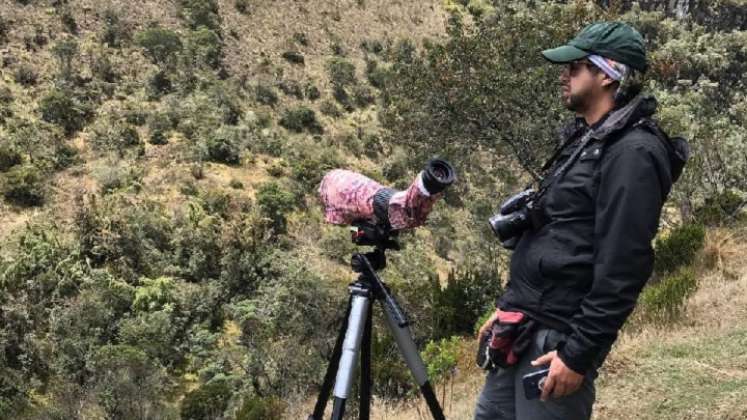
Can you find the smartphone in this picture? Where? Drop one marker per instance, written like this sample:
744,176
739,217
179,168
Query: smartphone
533,383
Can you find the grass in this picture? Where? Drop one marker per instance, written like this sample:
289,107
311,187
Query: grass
687,378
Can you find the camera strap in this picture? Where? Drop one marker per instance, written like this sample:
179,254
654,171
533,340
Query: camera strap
558,173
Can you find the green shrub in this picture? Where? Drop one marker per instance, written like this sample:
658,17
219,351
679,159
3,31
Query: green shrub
102,67
376,74
300,119
664,300
25,75
468,294
308,167
134,114
201,13
154,294
342,96
275,324
9,157
127,383
131,238
159,84
721,209
441,358
64,156
258,408
116,31
221,149
678,248
294,57
24,186
157,138
159,126
161,45
207,402
116,177
63,108
265,94
114,136
36,140
223,145
66,51
204,47
203,112
341,72
275,202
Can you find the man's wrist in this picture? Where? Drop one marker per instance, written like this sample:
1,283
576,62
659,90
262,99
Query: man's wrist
570,362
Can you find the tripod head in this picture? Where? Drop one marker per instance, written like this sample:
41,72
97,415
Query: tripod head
376,235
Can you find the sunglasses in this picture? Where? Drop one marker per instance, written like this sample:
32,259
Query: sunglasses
574,67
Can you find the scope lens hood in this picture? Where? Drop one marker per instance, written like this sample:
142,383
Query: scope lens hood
437,175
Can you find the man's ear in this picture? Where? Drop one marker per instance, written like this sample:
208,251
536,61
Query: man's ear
607,81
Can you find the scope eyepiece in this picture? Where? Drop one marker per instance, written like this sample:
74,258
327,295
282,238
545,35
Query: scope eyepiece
437,175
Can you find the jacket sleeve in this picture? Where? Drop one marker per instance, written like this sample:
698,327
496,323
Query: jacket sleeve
634,182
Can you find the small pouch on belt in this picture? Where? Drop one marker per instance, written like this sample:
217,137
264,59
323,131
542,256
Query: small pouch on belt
505,341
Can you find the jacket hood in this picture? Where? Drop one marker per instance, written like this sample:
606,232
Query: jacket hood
638,112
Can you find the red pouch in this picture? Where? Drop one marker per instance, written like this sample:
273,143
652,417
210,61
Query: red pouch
503,344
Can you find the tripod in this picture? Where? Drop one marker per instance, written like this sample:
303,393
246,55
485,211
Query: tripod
355,333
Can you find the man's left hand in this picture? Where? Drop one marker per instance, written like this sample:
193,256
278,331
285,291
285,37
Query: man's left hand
561,380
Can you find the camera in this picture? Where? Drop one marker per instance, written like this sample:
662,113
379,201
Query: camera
513,218
350,198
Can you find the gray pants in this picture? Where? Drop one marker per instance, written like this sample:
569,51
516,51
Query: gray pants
502,398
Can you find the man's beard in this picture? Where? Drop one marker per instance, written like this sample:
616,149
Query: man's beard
577,102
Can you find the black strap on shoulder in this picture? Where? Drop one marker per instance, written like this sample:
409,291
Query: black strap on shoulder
558,173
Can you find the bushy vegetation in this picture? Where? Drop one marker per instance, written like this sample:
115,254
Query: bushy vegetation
300,119
724,209
24,186
679,247
663,301
63,108
161,45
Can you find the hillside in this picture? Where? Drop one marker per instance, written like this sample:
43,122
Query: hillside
164,252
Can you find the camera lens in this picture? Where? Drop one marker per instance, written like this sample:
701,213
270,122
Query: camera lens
506,226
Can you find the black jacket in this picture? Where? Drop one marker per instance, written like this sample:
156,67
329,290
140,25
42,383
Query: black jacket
582,271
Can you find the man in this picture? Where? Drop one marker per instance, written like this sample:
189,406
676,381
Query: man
578,270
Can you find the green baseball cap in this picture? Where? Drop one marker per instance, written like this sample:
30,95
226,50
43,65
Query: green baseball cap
616,40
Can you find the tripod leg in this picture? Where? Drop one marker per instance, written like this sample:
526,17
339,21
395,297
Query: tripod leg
321,402
365,392
350,348
410,353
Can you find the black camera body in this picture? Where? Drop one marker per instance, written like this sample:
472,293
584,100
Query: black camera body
513,218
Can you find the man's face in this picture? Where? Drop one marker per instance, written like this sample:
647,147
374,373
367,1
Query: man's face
580,84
